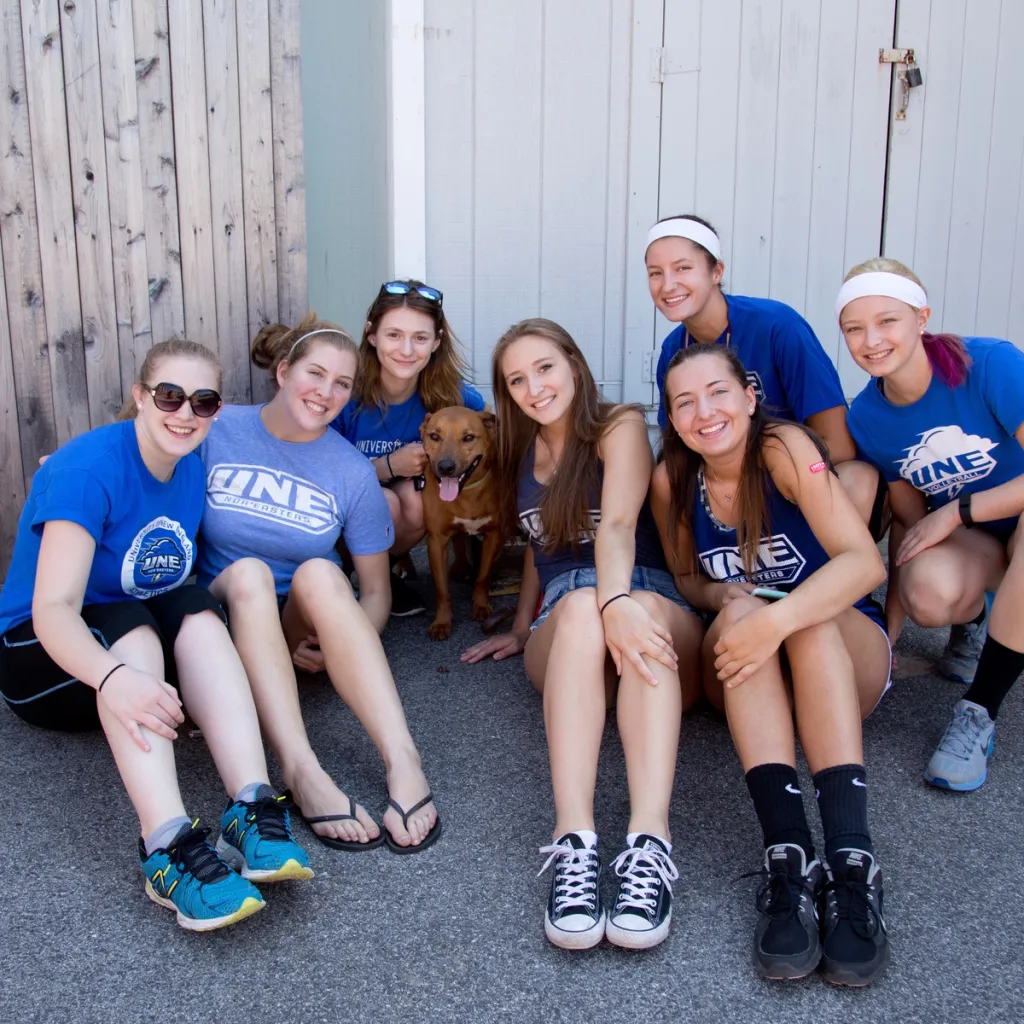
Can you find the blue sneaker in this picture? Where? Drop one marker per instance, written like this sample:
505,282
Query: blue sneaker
187,876
256,839
960,761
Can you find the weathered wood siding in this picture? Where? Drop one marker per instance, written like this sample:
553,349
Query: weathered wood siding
151,187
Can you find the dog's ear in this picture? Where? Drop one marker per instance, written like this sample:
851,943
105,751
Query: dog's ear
423,425
489,420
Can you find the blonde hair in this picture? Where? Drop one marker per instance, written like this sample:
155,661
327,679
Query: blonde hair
276,343
946,353
175,347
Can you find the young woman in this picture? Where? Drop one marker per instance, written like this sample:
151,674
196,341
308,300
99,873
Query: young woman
98,630
745,502
282,490
409,365
575,472
786,365
944,421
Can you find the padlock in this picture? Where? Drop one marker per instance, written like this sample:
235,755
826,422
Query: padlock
914,78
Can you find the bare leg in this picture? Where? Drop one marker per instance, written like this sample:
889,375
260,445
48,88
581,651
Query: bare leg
649,716
406,506
246,588
565,660
321,601
150,778
860,481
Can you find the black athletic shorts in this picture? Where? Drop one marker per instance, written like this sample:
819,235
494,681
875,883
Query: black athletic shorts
39,691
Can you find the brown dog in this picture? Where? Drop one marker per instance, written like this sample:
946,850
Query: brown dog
460,496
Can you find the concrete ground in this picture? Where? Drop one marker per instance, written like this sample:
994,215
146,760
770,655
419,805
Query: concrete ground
456,933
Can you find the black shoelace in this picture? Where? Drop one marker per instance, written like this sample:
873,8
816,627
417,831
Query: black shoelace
268,814
779,897
193,854
854,903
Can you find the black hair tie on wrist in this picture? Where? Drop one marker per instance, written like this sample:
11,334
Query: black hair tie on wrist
387,462
609,601
99,689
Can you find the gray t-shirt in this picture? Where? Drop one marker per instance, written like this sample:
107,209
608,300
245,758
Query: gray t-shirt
285,502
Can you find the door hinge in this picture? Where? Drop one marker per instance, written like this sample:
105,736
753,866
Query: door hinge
647,375
668,62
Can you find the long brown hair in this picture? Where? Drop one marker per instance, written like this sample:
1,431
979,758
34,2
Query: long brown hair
946,352
277,343
440,380
684,464
173,348
565,500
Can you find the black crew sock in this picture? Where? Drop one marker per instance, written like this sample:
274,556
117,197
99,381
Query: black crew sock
843,803
775,790
998,669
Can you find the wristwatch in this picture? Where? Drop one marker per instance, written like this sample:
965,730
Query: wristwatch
965,510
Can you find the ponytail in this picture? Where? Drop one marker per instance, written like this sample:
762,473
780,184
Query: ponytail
948,357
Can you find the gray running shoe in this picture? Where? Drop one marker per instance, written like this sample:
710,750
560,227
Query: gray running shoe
960,761
960,658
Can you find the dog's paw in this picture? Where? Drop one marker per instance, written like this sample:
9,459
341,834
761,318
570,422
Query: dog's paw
440,630
482,612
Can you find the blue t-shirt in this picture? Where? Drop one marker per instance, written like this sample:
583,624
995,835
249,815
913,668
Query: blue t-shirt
144,529
951,440
375,435
785,558
285,501
550,564
791,374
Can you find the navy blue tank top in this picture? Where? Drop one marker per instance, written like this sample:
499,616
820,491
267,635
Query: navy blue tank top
784,560
551,563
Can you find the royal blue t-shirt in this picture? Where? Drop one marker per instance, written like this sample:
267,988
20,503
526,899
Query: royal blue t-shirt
550,564
951,440
144,530
785,558
375,435
792,376
285,501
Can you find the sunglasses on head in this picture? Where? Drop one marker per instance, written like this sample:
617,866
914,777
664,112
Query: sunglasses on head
403,288
170,398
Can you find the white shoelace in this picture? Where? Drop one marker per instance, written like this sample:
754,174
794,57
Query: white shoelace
640,868
575,876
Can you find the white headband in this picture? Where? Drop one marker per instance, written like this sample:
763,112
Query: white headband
893,286
322,330
684,227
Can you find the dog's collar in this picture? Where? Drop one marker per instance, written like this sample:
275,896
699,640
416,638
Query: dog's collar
475,483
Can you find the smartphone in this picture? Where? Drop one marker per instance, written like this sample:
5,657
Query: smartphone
767,593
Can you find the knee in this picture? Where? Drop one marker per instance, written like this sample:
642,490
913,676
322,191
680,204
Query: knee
860,481
929,597
141,648
318,577
248,579
412,511
653,604
578,611
735,610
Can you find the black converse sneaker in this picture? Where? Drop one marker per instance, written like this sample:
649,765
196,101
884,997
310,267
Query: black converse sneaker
405,599
856,947
786,942
643,909
574,918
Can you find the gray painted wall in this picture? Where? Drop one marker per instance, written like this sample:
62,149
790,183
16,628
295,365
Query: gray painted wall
344,113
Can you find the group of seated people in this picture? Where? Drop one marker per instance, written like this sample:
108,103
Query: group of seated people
738,563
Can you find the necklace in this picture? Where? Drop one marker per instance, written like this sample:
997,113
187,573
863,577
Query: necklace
721,499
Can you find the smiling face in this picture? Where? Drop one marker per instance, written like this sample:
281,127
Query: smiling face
680,277
882,334
708,407
405,340
540,378
315,387
172,435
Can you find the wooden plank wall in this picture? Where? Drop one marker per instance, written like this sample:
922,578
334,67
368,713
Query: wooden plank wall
151,187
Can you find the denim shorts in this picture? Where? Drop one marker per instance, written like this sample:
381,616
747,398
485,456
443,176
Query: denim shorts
657,581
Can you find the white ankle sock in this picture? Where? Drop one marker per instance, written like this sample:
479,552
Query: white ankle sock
633,836
163,834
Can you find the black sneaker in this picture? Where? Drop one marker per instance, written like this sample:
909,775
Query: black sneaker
643,909
405,600
574,918
786,941
856,947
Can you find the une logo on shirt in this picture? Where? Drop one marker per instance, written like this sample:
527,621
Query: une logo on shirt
530,521
273,495
778,561
946,460
158,560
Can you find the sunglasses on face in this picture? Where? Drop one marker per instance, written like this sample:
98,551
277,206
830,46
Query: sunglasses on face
170,398
403,288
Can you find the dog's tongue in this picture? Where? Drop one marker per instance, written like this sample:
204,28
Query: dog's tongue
449,488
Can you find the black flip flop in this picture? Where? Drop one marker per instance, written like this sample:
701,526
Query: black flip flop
432,836
348,845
